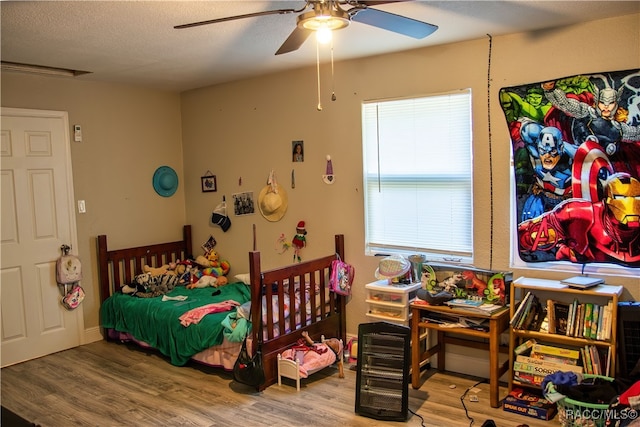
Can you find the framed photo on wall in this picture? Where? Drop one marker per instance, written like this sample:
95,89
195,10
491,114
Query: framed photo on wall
209,183
243,203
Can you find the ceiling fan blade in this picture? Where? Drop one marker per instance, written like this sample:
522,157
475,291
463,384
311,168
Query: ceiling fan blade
294,41
233,18
392,22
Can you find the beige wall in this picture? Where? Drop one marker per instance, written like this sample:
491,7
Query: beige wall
243,130
247,129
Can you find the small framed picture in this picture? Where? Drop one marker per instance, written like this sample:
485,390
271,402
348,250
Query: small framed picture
209,183
297,149
243,203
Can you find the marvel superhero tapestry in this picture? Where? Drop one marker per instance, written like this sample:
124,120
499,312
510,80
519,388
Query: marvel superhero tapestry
576,151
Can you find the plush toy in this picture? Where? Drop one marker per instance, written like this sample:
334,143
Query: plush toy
299,241
205,281
156,271
202,261
132,289
335,345
210,265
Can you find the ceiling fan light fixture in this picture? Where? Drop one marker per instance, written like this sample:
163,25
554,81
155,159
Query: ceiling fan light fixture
323,35
327,19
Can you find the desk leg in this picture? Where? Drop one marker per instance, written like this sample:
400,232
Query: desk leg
494,368
441,350
415,348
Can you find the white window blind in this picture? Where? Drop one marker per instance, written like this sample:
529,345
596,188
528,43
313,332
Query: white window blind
417,176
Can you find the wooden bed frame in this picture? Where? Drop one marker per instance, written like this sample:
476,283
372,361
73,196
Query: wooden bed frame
120,266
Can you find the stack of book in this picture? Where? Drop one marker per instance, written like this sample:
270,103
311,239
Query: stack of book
475,305
544,360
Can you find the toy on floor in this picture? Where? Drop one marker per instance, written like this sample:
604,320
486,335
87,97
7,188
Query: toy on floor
334,344
309,357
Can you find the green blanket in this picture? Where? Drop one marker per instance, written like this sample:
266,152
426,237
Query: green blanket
157,323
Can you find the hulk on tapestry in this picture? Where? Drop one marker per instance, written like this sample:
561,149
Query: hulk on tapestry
576,151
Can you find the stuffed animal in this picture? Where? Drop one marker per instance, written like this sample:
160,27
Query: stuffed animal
181,269
205,281
335,345
210,265
156,271
202,261
299,241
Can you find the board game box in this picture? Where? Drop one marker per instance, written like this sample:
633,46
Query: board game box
528,404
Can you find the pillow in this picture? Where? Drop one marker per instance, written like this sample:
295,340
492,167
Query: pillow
244,278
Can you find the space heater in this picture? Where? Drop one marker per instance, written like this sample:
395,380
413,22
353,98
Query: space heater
382,380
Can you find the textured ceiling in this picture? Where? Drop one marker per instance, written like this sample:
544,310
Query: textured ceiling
134,42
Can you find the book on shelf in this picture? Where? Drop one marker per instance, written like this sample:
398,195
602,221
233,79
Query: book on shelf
572,317
604,333
531,316
525,346
516,316
579,321
586,361
595,320
588,319
558,314
582,282
596,361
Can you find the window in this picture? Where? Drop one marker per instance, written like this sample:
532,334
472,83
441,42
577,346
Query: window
418,176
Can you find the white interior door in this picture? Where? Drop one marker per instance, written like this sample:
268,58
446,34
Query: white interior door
37,219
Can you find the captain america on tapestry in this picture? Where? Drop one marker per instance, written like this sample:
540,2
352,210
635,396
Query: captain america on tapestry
576,151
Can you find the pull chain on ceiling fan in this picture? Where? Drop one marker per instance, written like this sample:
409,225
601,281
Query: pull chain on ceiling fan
326,16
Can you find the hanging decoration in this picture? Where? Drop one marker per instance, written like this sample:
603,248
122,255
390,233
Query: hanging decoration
328,177
282,244
299,241
220,216
208,182
272,200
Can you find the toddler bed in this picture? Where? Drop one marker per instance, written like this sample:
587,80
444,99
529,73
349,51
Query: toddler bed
316,310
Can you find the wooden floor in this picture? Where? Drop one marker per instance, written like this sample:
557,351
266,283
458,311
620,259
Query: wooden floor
110,384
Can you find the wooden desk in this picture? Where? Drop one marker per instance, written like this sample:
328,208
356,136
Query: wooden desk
498,323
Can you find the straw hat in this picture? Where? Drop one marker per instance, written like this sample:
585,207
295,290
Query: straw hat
273,202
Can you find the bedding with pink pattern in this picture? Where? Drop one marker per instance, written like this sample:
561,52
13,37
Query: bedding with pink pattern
312,359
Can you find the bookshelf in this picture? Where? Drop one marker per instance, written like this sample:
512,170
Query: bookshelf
553,290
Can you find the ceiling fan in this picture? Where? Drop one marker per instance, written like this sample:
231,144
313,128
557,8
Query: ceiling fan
328,15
